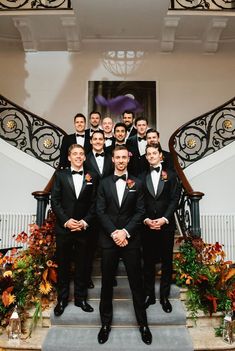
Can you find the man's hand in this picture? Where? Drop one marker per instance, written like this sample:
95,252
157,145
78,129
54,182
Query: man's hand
119,237
74,225
155,224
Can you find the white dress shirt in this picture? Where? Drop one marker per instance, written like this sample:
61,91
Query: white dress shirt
100,161
78,182
80,140
155,178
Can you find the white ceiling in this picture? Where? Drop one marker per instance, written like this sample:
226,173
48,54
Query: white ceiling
134,22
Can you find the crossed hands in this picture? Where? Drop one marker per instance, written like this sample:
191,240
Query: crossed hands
155,224
119,237
75,226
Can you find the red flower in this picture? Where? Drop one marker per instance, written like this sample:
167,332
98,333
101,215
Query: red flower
88,178
130,183
164,176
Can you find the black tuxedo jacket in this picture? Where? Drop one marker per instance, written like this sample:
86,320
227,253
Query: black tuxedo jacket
91,165
132,133
167,160
112,216
66,205
138,164
66,142
165,202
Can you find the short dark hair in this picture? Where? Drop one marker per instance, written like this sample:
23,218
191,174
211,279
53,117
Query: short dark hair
120,124
119,147
152,130
129,113
96,112
97,132
141,119
74,146
79,115
155,146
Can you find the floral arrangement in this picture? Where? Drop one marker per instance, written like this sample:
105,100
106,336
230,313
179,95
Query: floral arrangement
210,280
28,277
164,176
130,183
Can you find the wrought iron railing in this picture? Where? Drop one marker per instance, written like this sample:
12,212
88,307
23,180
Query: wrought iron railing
208,5
34,4
30,133
193,141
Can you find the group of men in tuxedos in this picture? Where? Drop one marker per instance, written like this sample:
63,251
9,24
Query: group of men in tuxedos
125,184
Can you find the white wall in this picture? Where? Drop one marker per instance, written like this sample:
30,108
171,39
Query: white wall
20,175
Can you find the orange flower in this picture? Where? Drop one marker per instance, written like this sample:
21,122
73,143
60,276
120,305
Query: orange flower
88,178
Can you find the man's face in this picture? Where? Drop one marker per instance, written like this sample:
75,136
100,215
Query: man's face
153,156
97,142
152,138
94,120
128,119
120,160
141,127
107,125
79,124
120,134
77,157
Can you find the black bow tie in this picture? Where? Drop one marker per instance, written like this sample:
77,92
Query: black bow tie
140,139
101,154
80,135
108,138
77,172
116,177
157,169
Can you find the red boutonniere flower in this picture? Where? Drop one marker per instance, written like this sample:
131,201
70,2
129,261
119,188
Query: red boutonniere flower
130,154
88,178
130,183
164,176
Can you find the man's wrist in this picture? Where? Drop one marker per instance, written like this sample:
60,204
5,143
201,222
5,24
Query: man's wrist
166,220
127,234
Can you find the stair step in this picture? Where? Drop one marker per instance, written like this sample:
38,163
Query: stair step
85,339
123,315
122,290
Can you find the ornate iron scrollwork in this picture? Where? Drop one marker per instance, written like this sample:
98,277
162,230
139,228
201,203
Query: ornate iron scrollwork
29,133
202,4
34,4
205,135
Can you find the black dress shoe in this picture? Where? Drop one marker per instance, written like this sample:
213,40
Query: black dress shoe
90,284
166,305
59,308
146,335
150,300
104,334
83,305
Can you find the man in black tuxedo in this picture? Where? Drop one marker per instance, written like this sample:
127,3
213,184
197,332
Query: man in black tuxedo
136,145
100,163
73,202
153,137
107,126
80,137
128,119
119,134
161,200
94,120
120,209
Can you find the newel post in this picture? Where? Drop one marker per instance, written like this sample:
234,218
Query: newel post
195,197
42,198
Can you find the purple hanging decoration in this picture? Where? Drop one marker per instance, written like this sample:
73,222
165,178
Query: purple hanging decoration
119,104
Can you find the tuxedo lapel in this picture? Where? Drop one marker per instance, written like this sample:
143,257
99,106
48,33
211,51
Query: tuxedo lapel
124,195
149,184
94,164
113,190
70,181
160,187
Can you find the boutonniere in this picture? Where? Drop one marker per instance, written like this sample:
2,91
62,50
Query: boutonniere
88,178
130,154
130,183
164,176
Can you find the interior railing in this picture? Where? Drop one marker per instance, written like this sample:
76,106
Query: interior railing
34,5
203,5
191,142
34,136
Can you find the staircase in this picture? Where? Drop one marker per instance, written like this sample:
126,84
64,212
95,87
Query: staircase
77,330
